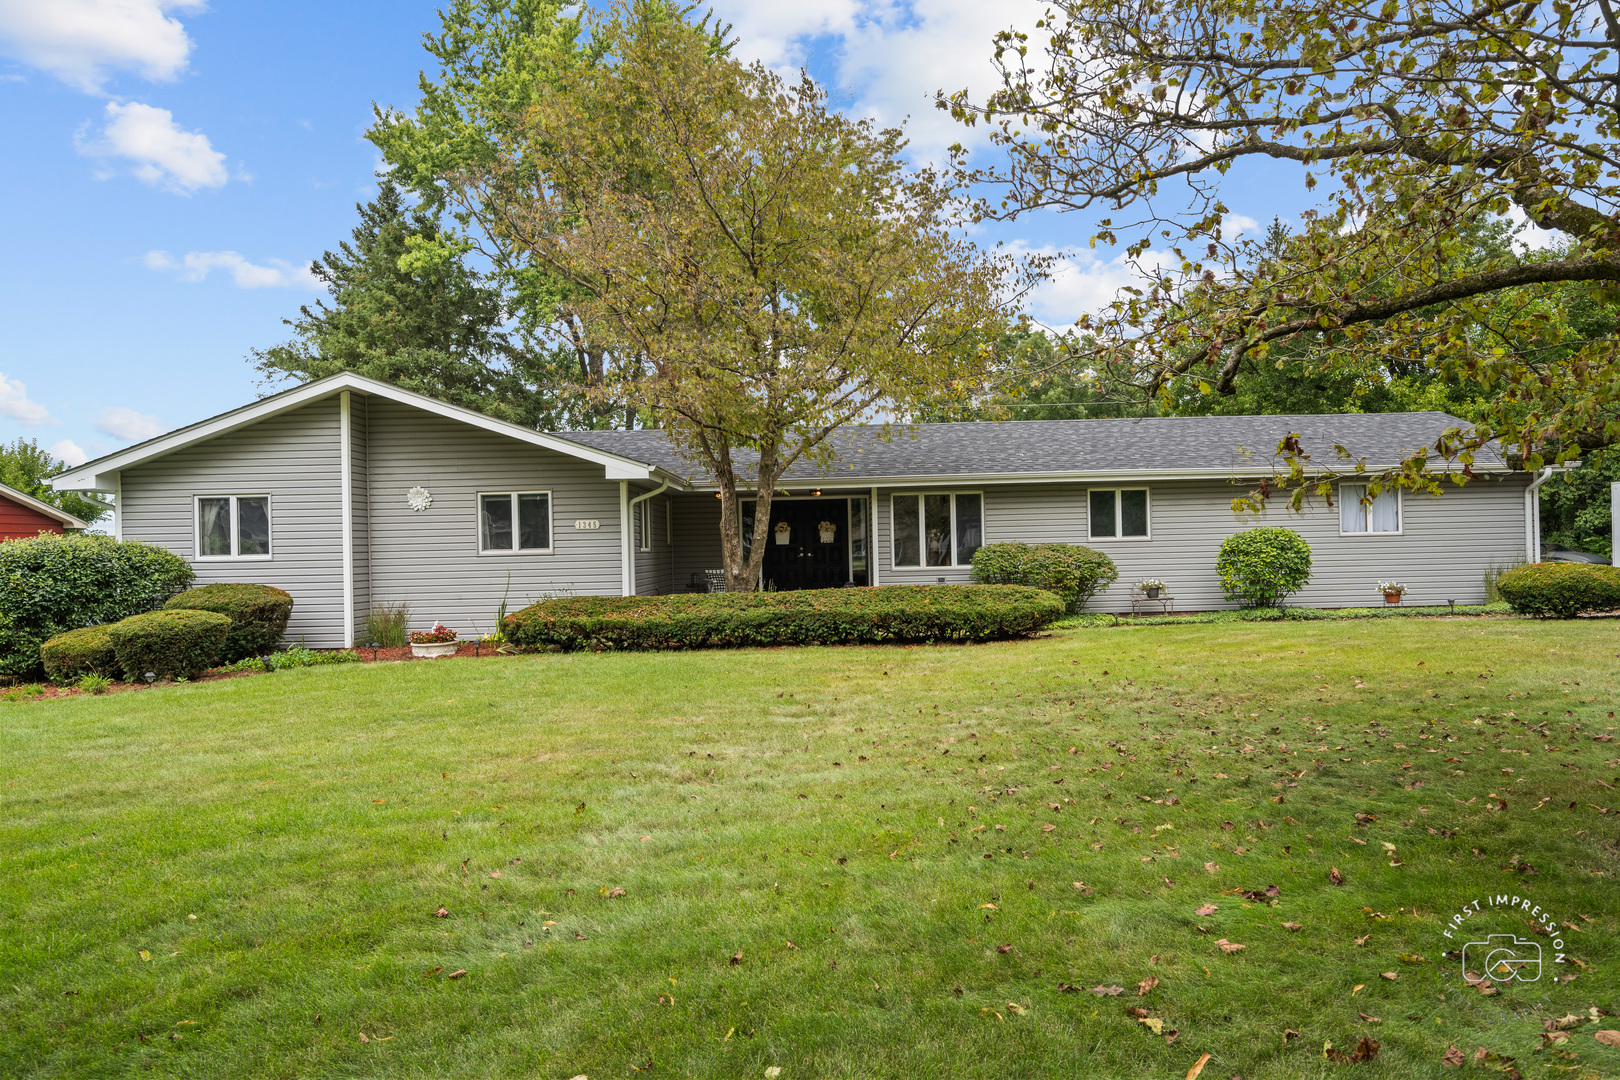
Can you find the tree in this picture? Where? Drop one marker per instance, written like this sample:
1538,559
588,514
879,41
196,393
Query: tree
25,467
497,60
762,269
1428,120
434,326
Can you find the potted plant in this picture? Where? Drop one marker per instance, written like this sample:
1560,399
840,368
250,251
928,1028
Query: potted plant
1392,590
439,641
1151,587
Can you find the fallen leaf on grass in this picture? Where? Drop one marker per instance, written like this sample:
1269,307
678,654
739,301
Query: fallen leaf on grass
430,972
1085,890
1198,1067
773,1072
1371,1019
1356,989
1334,877
441,914
1228,947
1390,975
1170,1036
364,1038
1293,926
792,946
1289,1035
736,957
1411,958
1607,1038
1016,1009
456,974
1365,1050
1108,991
1152,1023
1146,986
1362,940
613,892
1452,1058
1212,867
1207,909
144,955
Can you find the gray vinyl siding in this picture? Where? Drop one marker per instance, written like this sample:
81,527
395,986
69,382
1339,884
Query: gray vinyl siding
697,537
655,568
359,472
429,560
294,458
1446,544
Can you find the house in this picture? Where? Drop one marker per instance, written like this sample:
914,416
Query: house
351,493
23,516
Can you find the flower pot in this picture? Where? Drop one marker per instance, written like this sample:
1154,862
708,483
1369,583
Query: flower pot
434,649
1392,598
1153,592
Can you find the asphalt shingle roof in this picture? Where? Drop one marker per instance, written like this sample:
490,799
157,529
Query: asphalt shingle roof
1194,444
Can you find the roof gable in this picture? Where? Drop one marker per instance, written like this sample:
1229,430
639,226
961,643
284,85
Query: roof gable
39,506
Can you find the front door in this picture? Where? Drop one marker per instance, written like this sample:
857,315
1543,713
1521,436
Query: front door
807,545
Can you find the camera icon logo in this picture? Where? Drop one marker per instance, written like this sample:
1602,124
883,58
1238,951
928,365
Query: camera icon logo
1503,958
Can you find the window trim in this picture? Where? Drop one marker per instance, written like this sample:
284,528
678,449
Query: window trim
643,524
478,525
922,526
1119,517
1400,512
236,538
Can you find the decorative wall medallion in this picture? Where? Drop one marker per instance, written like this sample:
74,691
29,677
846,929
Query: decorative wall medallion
784,532
829,532
418,499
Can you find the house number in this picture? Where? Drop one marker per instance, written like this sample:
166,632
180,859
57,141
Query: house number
587,523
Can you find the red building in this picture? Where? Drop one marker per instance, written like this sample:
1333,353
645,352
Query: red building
23,516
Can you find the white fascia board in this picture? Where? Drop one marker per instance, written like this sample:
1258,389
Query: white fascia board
94,475
40,506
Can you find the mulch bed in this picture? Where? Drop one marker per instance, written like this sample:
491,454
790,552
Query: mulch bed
464,649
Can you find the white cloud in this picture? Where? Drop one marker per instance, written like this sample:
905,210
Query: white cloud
1080,283
165,156
125,423
196,266
82,42
69,452
15,404
898,51
1530,236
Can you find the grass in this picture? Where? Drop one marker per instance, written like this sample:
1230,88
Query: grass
241,877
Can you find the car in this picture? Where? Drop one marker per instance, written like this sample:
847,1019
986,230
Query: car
1559,553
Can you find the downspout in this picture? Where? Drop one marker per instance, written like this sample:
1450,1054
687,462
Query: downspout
872,523
1532,517
630,532
346,489
624,538
118,508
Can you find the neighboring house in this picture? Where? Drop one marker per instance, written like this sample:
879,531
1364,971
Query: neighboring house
351,493
23,516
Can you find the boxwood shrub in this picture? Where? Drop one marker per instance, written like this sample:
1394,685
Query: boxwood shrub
1561,590
1073,573
1259,567
86,651
50,584
891,613
258,615
173,644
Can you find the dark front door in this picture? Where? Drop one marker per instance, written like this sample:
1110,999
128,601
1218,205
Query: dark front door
807,545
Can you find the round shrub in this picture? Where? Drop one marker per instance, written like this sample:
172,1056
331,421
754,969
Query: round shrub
1073,573
1561,590
50,584
258,615
891,613
173,644
1258,567
86,651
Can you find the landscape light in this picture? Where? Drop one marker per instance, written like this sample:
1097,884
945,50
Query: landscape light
150,677
372,645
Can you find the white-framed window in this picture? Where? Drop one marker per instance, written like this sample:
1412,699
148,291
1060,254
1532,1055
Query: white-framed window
644,525
514,521
669,522
1358,515
937,529
233,526
1119,513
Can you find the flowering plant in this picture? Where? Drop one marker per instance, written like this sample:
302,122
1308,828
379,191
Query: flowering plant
1391,587
1151,583
436,636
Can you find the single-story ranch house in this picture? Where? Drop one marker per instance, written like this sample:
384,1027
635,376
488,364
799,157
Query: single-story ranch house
350,493
23,516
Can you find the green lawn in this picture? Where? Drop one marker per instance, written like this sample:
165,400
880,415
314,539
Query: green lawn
240,878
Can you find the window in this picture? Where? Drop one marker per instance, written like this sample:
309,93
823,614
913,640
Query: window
514,521
1356,515
1118,512
233,527
643,521
937,530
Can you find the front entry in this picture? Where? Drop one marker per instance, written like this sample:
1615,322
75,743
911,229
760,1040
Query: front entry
807,545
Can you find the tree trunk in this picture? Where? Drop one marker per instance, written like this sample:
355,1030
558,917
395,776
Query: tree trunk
742,575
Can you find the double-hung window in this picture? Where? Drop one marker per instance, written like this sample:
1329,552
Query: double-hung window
1357,514
233,526
937,530
643,519
1118,512
514,521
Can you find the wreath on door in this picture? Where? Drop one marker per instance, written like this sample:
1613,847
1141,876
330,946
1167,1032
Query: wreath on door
784,532
829,532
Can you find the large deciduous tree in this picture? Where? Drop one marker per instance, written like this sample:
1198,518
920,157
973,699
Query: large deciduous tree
762,269
26,467
1422,122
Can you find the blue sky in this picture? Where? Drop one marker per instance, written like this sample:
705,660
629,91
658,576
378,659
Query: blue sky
175,165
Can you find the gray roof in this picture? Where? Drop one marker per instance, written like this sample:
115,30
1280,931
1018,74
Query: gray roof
1227,445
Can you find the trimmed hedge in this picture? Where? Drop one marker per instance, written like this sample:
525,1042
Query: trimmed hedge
86,651
1561,590
889,614
1073,573
1258,567
51,584
173,644
258,615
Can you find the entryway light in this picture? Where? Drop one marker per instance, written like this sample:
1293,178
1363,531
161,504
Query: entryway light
816,493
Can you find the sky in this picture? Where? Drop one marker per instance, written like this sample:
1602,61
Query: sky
175,165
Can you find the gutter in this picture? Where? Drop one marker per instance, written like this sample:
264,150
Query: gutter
629,506
1532,516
